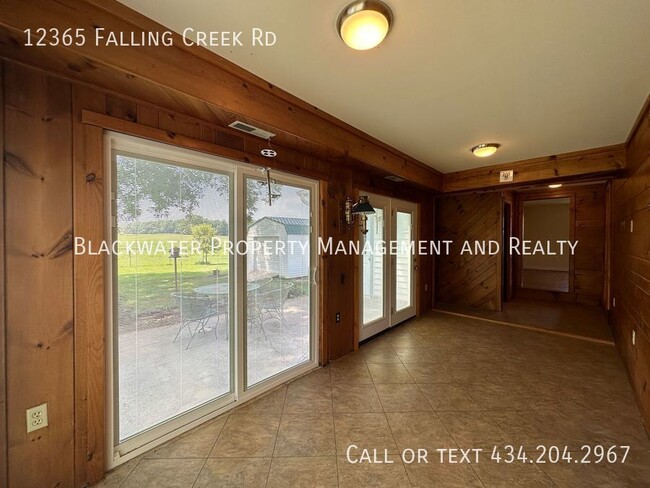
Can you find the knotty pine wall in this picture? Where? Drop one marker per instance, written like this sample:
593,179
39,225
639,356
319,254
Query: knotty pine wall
630,286
52,184
468,280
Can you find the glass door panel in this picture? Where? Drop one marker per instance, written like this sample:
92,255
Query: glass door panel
403,275
278,269
172,320
403,261
374,271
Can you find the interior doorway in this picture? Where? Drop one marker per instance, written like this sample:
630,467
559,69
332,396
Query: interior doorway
388,266
547,220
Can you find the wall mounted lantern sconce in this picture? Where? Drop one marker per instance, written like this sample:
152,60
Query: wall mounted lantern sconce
360,209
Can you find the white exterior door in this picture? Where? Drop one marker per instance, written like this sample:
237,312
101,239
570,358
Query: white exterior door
388,266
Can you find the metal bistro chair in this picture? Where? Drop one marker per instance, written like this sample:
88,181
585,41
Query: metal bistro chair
272,299
195,312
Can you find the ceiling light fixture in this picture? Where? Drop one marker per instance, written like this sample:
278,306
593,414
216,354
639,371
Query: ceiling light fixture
555,185
364,24
485,150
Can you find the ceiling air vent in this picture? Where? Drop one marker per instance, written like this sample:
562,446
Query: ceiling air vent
250,129
394,178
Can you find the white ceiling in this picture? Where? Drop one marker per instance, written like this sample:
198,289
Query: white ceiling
539,77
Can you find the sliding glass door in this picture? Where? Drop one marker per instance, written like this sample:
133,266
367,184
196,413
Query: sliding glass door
212,271
172,302
278,277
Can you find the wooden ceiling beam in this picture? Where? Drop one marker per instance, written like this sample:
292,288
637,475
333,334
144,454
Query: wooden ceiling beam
604,161
201,74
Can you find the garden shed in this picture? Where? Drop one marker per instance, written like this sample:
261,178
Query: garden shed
289,236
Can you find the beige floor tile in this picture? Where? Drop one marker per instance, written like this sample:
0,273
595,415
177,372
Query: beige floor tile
389,373
514,475
635,472
308,399
247,435
303,472
380,355
419,430
494,396
272,402
305,435
364,430
115,477
319,377
234,472
355,398
474,429
442,474
195,444
167,473
419,355
446,396
402,398
429,373
371,475
350,373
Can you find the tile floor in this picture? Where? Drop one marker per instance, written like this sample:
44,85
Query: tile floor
436,382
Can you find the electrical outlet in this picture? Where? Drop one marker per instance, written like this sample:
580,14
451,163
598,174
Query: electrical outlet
37,417
631,225
634,338
338,317
614,302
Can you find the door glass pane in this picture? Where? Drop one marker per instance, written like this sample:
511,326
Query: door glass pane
403,261
373,268
278,269
172,294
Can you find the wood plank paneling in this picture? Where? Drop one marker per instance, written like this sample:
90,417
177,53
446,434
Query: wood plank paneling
89,339
205,76
563,167
3,378
39,273
630,266
468,279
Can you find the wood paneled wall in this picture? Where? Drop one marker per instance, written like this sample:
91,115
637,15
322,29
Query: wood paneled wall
468,279
630,229
588,266
39,275
53,190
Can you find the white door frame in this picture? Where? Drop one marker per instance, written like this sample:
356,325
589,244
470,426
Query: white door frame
391,316
119,453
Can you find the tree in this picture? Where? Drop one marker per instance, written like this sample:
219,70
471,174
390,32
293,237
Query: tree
203,234
165,187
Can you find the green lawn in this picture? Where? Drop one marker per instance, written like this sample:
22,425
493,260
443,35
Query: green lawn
152,275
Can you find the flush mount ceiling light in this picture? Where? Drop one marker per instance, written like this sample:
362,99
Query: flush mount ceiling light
485,150
364,23
555,185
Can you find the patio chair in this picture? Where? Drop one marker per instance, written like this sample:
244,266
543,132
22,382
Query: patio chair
195,312
272,299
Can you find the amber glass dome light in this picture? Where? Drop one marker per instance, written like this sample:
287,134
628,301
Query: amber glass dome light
364,24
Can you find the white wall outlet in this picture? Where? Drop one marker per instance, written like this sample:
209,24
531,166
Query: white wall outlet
37,417
634,337
631,225
506,176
